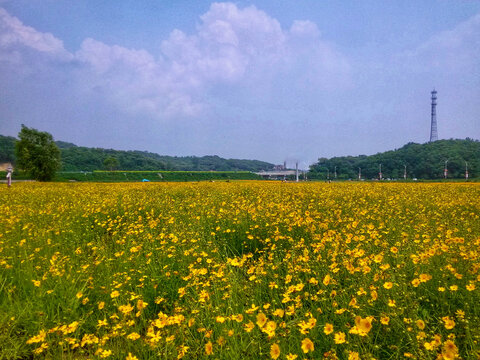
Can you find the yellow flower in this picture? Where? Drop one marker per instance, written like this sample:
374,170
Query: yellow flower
141,305
101,305
220,319
105,353
353,355
385,320
133,336
79,295
40,349
208,348
420,324
388,285
291,356
37,338
326,280
261,319
429,346
328,329
363,325
470,287
449,323
237,318
279,312
425,277
131,357
269,328
339,338
249,326
114,294
450,350
307,345
275,351
36,283
125,309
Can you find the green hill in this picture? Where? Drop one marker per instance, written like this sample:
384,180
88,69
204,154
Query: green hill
79,158
423,161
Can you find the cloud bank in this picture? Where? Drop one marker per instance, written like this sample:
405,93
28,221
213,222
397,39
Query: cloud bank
232,46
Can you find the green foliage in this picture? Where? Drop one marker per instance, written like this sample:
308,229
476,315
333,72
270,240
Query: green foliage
77,158
423,161
7,149
111,163
37,154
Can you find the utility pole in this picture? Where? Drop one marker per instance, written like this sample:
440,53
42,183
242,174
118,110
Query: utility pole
328,174
335,172
433,124
466,170
359,173
380,172
405,172
445,170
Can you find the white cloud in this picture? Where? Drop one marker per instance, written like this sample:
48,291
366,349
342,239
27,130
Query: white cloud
103,57
243,48
14,34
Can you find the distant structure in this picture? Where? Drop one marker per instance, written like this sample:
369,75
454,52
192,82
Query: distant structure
433,127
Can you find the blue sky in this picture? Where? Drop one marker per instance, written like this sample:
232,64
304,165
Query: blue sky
268,80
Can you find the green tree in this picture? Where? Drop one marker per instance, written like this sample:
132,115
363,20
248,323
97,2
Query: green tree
37,154
110,163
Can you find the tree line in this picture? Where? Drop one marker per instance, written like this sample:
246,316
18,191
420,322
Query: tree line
422,161
40,156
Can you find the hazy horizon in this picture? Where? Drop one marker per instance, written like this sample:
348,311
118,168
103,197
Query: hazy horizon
246,80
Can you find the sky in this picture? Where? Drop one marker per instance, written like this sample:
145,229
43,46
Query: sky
268,80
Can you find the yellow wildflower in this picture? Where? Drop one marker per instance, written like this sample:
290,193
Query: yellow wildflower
208,348
275,351
339,338
307,345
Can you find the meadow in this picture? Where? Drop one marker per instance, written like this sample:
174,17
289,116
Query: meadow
240,270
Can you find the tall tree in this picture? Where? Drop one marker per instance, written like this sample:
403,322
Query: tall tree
37,154
110,163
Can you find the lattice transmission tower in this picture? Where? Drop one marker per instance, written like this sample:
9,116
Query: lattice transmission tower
433,127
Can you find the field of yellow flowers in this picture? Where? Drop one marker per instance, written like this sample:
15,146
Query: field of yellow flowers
240,270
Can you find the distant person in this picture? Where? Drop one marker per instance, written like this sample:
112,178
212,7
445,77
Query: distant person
9,176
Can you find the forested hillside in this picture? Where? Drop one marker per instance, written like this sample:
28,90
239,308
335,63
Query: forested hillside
423,161
78,158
